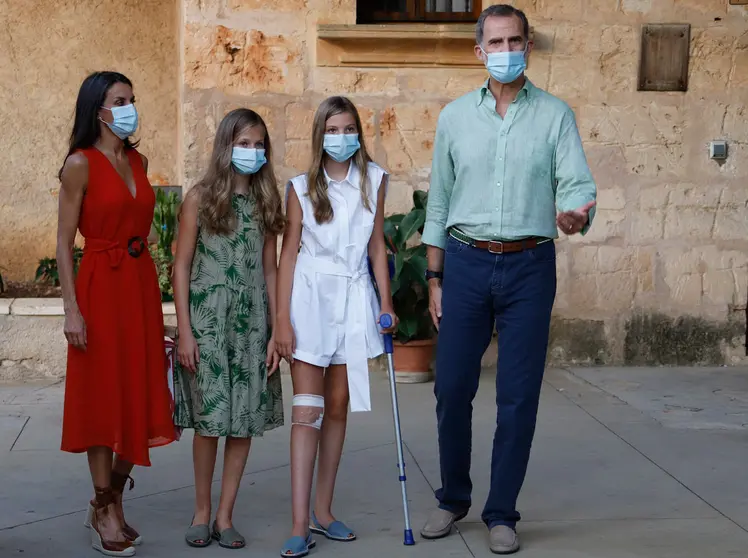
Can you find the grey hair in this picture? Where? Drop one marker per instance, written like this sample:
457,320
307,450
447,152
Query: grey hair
500,10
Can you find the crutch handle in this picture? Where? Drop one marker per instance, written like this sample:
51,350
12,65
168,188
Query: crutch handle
385,321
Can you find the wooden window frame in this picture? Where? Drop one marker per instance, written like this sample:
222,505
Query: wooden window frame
416,13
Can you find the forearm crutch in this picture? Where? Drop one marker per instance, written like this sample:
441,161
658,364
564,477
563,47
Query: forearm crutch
385,321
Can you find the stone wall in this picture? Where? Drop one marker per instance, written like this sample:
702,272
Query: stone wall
663,275
47,49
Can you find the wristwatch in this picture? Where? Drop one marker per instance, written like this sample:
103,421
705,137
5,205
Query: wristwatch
434,275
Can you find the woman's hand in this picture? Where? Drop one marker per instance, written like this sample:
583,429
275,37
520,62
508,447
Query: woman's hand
75,329
395,320
188,353
273,358
285,341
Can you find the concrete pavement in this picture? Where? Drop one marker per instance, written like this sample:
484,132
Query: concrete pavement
627,463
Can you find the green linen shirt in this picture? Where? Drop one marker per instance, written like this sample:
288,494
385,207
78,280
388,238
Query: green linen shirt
505,178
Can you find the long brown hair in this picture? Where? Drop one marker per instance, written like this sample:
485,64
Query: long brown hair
317,185
216,188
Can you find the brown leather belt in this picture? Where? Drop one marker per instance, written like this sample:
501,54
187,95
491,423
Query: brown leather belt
498,246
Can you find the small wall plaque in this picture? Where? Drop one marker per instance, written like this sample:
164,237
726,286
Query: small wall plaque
663,64
739,2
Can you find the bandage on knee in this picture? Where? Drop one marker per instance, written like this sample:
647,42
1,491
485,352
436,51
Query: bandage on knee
308,410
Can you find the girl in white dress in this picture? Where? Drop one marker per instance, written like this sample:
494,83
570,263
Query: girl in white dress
328,309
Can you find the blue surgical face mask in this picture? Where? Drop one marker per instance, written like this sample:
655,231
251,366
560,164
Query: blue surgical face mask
506,67
341,147
248,161
124,120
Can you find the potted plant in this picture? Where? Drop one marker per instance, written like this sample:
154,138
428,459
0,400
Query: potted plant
415,337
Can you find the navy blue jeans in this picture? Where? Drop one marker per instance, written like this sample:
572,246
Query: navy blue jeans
516,291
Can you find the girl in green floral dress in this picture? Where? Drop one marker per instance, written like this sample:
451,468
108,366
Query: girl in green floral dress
224,288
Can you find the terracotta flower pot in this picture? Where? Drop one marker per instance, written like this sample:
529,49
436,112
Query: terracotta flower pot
413,361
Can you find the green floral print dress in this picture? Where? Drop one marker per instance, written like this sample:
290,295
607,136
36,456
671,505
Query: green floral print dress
230,394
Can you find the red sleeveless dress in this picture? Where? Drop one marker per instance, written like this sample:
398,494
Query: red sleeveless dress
116,391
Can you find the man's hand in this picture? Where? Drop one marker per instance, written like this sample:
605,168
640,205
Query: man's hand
572,222
435,301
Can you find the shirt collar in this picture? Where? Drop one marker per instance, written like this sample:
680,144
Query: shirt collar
527,90
352,178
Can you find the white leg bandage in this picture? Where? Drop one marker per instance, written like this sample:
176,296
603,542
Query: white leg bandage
308,410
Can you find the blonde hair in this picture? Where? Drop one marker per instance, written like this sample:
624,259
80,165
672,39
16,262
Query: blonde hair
216,188
317,185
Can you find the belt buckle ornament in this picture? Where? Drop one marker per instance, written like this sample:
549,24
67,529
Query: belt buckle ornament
495,247
135,246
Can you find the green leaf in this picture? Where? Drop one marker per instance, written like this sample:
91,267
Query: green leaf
399,261
410,225
407,329
420,199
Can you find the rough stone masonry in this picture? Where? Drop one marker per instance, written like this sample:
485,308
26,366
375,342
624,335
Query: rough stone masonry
662,278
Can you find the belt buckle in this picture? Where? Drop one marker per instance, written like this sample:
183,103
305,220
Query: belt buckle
492,244
135,246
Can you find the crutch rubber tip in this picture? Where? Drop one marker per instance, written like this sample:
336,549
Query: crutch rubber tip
409,540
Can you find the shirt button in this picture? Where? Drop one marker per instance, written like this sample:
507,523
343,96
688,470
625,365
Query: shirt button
498,184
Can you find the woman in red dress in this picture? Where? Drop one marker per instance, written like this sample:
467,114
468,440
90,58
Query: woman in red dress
117,397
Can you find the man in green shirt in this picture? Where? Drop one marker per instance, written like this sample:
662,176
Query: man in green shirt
508,172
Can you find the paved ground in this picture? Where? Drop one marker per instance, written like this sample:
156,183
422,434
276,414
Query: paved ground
627,463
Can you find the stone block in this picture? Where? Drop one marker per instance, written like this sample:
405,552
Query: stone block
689,223
349,81
539,69
399,197
731,222
241,62
715,259
735,117
269,5
654,198
611,199
655,160
606,225
739,74
299,118
298,155
596,125
615,259
720,287
573,78
647,226
616,291
444,83
711,59
606,160
584,260
413,116
636,6
712,8
682,275
569,10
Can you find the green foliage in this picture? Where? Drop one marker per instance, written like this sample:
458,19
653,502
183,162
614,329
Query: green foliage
410,295
164,262
165,219
47,271
165,223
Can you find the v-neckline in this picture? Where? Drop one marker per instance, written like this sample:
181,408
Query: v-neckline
122,178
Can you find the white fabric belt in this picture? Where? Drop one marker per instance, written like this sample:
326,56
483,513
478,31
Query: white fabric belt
356,348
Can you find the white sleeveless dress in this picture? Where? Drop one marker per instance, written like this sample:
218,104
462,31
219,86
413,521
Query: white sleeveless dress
334,307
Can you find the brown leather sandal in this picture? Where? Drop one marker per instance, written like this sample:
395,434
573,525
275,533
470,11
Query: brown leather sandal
105,499
118,486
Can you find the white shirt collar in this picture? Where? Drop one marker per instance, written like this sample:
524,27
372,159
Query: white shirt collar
352,178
